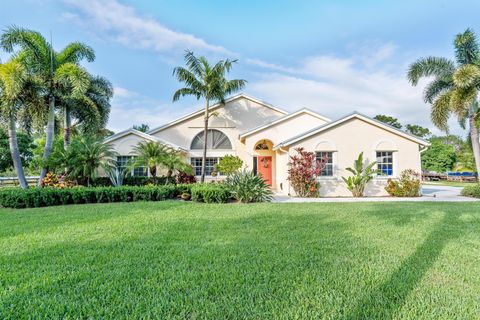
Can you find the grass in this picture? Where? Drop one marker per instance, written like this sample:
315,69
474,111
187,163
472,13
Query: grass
448,183
184,260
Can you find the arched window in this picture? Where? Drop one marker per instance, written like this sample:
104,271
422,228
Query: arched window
215,140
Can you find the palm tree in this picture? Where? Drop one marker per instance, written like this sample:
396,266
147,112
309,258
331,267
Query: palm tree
149,154
173,161
202,80
90,111
89,154
454,88
141,127
57,70
17,91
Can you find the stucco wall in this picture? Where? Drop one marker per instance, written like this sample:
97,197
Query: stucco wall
124,145
348,140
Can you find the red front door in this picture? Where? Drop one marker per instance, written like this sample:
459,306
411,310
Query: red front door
264,168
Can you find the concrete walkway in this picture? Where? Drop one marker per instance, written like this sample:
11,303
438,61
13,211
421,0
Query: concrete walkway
430,193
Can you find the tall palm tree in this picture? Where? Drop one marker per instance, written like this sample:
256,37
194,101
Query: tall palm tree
455,86
202,80
149,154
87,113
57,70
17,91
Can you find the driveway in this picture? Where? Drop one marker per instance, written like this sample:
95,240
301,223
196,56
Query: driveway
430,193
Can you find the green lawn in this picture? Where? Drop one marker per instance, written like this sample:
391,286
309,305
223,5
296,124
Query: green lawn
185,260
449,183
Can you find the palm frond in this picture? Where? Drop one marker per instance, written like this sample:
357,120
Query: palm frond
441,111
186,92
461,101
437,87
466,75
74,77
430,66
74,53
466,47
194,64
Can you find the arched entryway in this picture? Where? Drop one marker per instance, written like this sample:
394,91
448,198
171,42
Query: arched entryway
264,161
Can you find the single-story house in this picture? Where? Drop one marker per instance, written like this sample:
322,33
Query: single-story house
265,137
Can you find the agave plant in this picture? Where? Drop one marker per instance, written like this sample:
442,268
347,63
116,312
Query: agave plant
361,176
116,176
246,186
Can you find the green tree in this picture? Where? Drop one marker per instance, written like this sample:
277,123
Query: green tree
18,93
439,157
149,154
388,120
454,88
25,148
87,114
174,161
142,127
229,164
418,131
86,155
202,80
59,72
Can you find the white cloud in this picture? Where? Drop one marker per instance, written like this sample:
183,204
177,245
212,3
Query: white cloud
120,92
124,25
132,108
337,86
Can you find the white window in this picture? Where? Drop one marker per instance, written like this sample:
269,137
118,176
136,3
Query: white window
122,163
215,140
385,163
210,164
326,156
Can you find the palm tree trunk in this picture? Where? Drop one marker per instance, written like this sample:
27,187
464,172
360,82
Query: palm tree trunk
475,141
67,130
205,131
50,132
17,161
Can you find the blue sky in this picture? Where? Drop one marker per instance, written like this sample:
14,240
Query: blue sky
331,56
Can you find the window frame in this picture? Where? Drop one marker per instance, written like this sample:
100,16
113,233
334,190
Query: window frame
210,134
331,163
195,160
133,171
378,165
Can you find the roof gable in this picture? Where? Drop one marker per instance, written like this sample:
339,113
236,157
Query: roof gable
216,106
354,115
143,135
282,119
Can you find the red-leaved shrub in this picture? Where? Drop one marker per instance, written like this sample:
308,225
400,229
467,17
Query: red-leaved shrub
304,171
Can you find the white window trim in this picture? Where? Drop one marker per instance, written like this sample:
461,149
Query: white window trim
394,174
334,175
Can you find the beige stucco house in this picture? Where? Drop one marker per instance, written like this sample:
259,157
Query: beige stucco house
265,136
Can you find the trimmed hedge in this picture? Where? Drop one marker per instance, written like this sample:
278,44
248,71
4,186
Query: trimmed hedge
44,197
472,191
210,193
131,181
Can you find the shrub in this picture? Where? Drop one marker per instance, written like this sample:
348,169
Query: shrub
245,187
229,164
43,197
472,191
409,185
131,181
183,177
361,176
304,171
210,193
54,181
